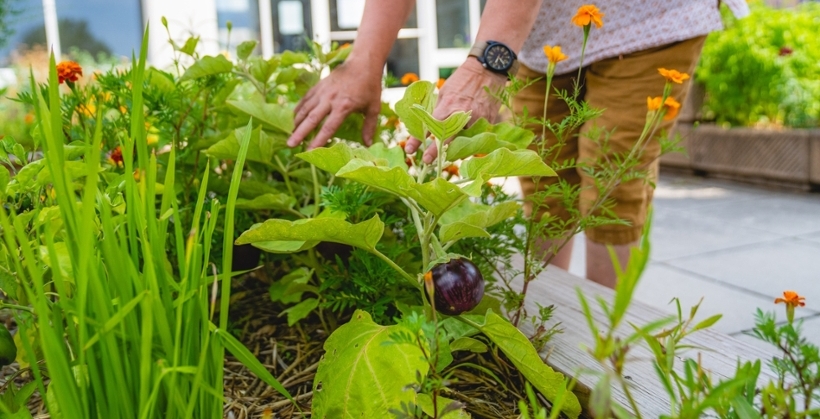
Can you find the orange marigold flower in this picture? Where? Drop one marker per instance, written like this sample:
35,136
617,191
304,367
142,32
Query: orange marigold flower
671,106
392,121
792,299
588,14
115,157
479,154
402,143
440,83
452,170
29,118
673,76
345,45
69,71
408,78
554,54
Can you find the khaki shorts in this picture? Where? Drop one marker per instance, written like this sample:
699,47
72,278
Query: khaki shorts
620,87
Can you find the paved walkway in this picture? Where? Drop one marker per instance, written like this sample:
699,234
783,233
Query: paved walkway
736,246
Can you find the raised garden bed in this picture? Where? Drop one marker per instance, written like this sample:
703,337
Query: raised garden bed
784,156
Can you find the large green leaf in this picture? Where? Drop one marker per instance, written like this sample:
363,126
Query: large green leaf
364,235
419,93
331,159
445,129
437,196
301,310
364,375
271,115
484,143
244,49
267,201
284,246
394,156
517,136
504,162
262,148
207,66
389,179
522,354
470,220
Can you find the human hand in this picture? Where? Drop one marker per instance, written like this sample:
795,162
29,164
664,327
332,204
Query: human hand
464,91
351,87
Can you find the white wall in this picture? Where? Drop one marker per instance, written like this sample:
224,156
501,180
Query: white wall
185,18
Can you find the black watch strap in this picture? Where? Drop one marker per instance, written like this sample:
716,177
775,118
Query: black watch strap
477,51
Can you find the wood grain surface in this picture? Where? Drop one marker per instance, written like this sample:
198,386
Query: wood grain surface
566,351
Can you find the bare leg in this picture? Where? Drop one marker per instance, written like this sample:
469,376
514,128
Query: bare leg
562,258
599,263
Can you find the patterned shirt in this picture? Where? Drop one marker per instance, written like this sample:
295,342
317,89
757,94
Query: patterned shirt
629,26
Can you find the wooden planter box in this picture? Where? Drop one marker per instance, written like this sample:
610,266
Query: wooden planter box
786,156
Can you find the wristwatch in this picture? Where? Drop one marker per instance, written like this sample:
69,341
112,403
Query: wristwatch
495,56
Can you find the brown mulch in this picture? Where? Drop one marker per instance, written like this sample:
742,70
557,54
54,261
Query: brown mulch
292,355
486,384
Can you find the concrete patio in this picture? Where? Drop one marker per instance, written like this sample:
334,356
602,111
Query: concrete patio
736,246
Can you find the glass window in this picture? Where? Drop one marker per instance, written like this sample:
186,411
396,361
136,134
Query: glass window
404,58
346,14
292,27
244,18
453,23
24,25
112,27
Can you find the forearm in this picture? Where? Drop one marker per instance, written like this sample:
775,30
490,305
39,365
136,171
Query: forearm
379,28
508,21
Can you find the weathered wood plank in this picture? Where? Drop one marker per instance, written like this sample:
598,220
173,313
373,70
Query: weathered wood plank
566,351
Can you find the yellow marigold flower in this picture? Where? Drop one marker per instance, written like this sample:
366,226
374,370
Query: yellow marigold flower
89,109
151,139
671,106
440,83
588,14
554,54
673,76
69,71
791,298
408,78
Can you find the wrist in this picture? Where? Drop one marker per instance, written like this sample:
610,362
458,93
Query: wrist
472,64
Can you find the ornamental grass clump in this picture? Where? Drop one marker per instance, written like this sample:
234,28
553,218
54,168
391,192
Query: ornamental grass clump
110,325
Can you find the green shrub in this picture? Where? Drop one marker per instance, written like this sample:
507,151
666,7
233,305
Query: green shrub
762,70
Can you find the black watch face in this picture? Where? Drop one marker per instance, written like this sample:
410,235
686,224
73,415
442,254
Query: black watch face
498,57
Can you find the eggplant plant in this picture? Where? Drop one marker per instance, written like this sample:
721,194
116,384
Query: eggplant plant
442,213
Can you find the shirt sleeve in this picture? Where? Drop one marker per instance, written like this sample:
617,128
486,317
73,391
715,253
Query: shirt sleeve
739,8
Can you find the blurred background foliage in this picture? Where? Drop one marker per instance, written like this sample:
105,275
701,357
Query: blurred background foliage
763,70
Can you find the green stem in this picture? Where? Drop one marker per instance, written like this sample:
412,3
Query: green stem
316,192
16,307
284,171
550,73
581,65
393,265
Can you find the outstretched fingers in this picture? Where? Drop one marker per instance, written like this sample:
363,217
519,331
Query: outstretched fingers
308,118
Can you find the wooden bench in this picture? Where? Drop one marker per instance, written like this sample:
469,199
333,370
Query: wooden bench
566,352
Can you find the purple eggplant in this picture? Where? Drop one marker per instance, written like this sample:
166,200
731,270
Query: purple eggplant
458,285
